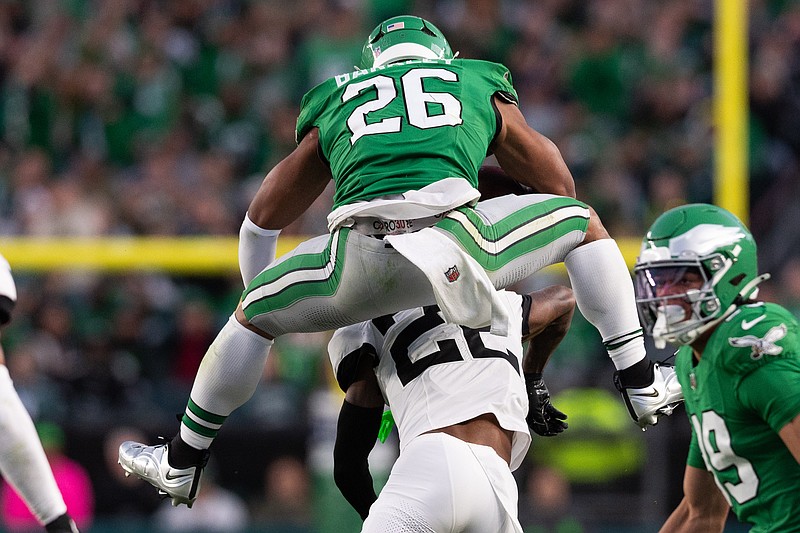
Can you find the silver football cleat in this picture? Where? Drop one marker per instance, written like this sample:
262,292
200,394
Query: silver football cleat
660,398
151,464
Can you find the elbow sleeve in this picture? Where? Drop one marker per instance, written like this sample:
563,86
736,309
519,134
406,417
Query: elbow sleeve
356,432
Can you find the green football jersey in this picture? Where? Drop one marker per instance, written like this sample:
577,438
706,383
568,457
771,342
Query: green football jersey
392,129
744,389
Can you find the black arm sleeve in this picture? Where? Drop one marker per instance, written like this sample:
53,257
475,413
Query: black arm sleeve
356,432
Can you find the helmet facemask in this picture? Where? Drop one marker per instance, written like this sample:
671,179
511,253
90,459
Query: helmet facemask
678,315
715,252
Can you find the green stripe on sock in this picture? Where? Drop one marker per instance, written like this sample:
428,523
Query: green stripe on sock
197,428
622,340
201,413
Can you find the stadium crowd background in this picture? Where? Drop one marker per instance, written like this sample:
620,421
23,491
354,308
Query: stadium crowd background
144,117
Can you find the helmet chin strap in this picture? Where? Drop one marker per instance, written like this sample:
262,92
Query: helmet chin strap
690,336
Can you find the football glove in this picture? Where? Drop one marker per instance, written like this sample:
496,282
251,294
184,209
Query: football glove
543,418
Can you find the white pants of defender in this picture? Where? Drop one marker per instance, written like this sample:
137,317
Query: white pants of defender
441,484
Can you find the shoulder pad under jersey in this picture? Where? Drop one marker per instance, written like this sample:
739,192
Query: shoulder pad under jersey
347,346
755,335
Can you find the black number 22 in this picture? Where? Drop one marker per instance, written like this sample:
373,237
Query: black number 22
448,351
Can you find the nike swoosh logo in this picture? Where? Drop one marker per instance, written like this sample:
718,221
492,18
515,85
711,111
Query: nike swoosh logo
653,394
170,477
749,324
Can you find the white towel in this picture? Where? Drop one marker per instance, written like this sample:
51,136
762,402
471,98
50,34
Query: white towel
434,199
461,287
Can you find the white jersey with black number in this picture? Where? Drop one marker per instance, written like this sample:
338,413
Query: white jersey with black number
434,374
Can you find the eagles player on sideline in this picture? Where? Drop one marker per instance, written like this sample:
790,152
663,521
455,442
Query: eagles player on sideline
23,462
403,140
739,366
459,398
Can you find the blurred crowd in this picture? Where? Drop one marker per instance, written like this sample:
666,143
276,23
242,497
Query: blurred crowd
148,117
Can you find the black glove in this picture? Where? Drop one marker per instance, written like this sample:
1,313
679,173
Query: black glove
543,418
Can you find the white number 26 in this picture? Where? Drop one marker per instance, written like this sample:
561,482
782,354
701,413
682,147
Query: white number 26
415,98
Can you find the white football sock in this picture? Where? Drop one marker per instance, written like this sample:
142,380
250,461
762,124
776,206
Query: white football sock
23,462
604,293
228,376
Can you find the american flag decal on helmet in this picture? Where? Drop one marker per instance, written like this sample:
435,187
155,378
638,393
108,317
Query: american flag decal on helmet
452,273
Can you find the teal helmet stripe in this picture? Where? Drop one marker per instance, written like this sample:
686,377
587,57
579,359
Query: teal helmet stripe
530,228
298,277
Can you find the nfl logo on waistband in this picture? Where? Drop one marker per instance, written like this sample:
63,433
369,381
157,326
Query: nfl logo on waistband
452,273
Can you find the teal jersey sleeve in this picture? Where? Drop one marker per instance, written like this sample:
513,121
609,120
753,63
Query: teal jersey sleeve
498,77
388,130
773,391
314,101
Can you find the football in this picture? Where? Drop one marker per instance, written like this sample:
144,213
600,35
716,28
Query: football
493,182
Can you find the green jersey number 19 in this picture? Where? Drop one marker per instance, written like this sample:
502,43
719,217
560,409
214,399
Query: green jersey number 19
714,440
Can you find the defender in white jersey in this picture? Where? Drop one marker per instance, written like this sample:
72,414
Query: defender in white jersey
459,398
23,462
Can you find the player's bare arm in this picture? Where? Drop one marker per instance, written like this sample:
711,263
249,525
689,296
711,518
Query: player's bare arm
703,508
291,186
528,156
533,160
790,434
548,322
365,392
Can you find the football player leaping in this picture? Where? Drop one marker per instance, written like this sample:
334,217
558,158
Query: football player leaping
403,138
